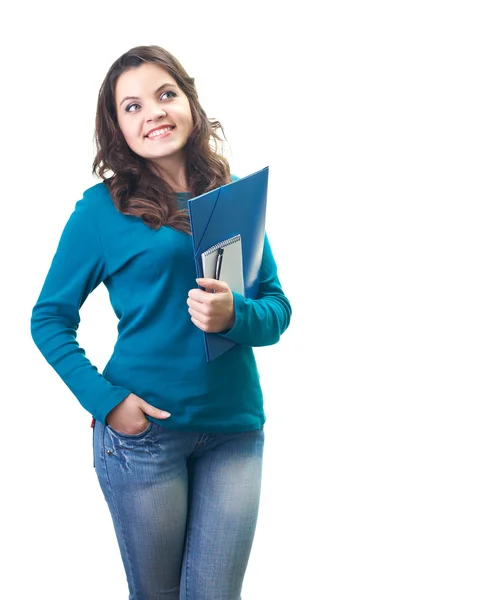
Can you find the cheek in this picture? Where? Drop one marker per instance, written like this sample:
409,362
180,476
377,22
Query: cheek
128,132
131,137
187,113
189,122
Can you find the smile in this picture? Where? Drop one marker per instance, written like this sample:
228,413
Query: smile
160,133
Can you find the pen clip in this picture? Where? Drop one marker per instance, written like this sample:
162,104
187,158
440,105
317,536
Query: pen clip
218,265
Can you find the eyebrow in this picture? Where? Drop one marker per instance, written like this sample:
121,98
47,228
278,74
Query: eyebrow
156,92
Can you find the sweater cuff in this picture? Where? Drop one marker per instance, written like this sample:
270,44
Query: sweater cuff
119,394
236,330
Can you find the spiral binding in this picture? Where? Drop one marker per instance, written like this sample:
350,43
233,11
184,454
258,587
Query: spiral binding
231,240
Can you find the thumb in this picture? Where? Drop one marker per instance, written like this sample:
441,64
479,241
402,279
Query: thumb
213,284
152,411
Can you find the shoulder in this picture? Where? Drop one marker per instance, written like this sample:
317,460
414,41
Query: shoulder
96,195
96,201
94,208
234,177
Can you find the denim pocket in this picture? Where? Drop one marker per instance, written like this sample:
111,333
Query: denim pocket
131,436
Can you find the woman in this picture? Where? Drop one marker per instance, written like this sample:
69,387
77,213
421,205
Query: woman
177,441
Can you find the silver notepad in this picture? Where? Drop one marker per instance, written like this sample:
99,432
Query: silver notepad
231,271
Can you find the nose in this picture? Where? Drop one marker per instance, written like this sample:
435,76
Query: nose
156,113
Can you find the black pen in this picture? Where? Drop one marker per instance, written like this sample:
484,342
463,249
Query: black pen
218,266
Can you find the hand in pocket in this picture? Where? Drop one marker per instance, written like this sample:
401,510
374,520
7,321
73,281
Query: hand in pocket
128,417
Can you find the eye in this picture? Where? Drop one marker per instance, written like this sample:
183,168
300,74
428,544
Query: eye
135,104
129,106
168,92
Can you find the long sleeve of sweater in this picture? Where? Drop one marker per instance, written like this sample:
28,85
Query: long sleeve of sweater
78,267
260,322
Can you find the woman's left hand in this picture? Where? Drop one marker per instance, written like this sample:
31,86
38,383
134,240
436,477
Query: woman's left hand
212,312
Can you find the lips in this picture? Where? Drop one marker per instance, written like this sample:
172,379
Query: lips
168,127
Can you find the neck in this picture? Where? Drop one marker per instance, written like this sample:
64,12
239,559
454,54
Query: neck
173,172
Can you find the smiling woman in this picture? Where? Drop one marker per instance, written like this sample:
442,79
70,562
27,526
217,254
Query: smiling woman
147,89
139,114
177,440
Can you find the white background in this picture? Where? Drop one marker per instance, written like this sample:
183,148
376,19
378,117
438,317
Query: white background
382,126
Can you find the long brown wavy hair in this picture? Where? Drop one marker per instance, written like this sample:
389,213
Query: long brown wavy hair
137,188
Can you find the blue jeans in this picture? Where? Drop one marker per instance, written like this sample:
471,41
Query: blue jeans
184,507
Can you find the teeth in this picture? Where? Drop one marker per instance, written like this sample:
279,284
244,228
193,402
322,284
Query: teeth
160,131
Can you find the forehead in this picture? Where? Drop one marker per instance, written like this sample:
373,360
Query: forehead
142,81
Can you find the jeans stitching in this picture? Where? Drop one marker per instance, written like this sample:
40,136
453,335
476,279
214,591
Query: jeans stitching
201,441
119,523
187,561
93,442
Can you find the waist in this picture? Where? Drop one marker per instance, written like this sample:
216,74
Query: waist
180,371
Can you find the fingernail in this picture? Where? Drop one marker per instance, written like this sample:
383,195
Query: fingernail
165,414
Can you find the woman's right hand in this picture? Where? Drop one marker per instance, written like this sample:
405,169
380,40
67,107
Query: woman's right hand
129,416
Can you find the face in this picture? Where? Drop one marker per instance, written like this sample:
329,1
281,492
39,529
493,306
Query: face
153,114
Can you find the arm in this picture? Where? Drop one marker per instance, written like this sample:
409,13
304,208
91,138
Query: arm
261,322
78,267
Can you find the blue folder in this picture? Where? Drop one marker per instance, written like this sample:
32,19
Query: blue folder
237,208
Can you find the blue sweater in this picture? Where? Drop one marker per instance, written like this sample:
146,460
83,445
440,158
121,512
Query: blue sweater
159,353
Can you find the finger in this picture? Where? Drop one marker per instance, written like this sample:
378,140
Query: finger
203,318
199,324
213,284
197,295
198,306
152,411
